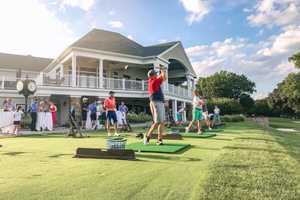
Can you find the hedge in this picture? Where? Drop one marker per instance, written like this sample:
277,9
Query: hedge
138,118
226,105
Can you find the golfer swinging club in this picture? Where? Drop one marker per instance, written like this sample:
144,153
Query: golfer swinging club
157,106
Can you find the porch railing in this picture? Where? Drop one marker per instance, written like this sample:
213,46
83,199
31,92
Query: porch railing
93,82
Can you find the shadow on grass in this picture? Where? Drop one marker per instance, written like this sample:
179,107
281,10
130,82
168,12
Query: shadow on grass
14,153
170,158
253,149
251,138
223,139
207,148
60,155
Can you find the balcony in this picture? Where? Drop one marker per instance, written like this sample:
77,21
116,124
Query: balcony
93,82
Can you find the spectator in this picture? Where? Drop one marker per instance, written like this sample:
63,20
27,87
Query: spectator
124,110
8,105
216,119
101,114
33,113
84,110
179,116
53,110
93,114
17,120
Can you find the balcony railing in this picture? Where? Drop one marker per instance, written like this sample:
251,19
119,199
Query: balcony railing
93,82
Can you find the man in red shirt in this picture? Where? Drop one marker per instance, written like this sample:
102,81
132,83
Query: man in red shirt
110,107
157,106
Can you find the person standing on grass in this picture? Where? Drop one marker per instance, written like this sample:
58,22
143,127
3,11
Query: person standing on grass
205,115
179,116
124,110
110,106
17,120
197,112
93,114
157,105
216,119
84,111
53,110
33,113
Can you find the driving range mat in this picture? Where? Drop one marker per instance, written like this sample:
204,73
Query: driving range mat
152,147
195,135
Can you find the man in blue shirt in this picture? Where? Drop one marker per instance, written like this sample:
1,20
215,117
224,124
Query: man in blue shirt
124,110
93,110
33,113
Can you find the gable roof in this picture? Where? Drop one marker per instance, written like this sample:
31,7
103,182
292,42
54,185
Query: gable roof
28,63
115,42
158,49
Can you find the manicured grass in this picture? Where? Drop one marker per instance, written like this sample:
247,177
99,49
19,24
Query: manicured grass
284,123
152,147
195,135
242,162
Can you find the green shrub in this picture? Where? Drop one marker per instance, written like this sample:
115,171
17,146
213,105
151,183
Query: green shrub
226,105
138,118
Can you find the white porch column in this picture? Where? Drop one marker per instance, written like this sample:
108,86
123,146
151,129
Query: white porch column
184,112
100,70
2,84
143,85
74,64
174,109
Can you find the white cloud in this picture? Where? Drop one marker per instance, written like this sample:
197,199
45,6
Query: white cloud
260,95
29,27
264,62
85,5
112,12
286,42
275,12
196,9
115,24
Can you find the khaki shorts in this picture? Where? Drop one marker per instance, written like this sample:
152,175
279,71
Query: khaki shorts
158,111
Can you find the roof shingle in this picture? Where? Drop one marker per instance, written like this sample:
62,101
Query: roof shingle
28,63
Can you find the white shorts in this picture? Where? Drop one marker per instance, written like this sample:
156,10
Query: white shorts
158,111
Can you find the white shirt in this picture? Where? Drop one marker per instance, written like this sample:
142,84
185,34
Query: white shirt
18,115
217,111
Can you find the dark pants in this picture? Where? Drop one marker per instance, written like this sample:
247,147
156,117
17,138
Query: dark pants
33,121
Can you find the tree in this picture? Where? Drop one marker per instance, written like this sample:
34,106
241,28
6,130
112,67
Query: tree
295,59
225,84
246,102
286,97
262,108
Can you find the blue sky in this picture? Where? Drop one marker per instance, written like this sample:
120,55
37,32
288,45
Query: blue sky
250,37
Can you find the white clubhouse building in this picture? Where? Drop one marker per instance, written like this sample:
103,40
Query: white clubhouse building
98,62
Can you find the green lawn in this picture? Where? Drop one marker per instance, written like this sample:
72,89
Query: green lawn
241,162
285,123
